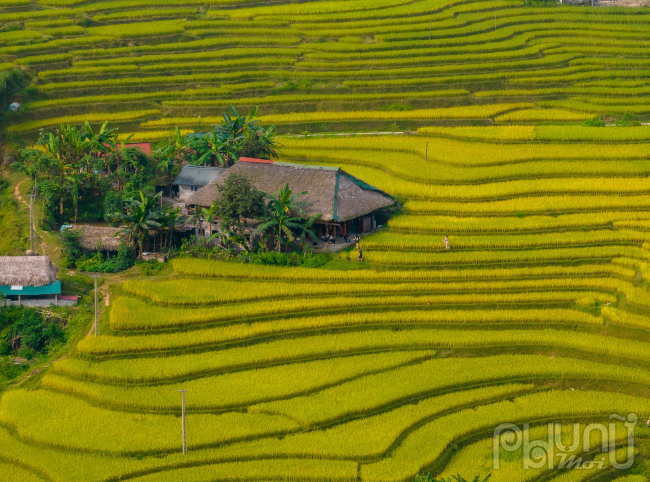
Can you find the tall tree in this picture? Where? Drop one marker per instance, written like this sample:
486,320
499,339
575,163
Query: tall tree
237,198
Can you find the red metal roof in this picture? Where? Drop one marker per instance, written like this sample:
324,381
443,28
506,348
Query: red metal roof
145,146
261,161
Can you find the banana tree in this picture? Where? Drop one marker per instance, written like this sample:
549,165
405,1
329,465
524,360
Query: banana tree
306,230
221,148
285,200
168,219
235,126
140,217
200,215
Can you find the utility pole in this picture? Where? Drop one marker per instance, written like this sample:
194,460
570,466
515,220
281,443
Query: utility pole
373,64
31,221
183,417
95,276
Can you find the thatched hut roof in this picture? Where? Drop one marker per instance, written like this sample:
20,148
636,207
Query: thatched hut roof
104,237
198,175
27,271
331,191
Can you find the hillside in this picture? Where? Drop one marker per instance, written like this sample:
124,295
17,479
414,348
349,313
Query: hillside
323,66
404,364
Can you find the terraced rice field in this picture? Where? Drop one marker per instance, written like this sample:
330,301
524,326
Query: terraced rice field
540,311
326,65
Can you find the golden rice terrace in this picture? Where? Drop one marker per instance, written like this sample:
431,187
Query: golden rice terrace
539,312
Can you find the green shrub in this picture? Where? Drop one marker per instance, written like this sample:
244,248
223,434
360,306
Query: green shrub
595,122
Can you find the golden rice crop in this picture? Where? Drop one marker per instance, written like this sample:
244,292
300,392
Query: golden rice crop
68,466
231,53
542,115
77,119
282,99
493,191
132,314
384,429
242,388
412,382
469,112
459,152
64,31
13,472
502,224
424,445
150,13
341,439
399,242
496,257
625,318
188,292
533,205
109,345
60,421
218,269
291,469
142,29
499,133
406,166
46,74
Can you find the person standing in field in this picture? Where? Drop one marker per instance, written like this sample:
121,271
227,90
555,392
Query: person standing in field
447,242
360,258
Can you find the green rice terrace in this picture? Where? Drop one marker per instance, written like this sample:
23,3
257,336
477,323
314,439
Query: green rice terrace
520,131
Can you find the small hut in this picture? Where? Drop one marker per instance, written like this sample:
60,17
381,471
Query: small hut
347,203
101,238
29,280
193,178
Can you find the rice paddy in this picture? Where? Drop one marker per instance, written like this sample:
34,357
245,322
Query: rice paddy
540,311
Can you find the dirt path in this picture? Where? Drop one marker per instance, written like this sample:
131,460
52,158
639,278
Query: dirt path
22,200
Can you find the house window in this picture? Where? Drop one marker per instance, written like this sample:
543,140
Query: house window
194,188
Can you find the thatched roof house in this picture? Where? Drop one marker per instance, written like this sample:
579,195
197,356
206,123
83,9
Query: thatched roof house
193,178
339,196
30,280
27,271
102,237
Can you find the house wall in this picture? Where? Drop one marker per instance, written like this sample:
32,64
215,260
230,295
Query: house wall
184,191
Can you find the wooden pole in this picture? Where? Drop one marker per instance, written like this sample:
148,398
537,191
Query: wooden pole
31,222
183,417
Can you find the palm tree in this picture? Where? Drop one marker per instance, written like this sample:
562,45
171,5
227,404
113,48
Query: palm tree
140,217
306,230
279,221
